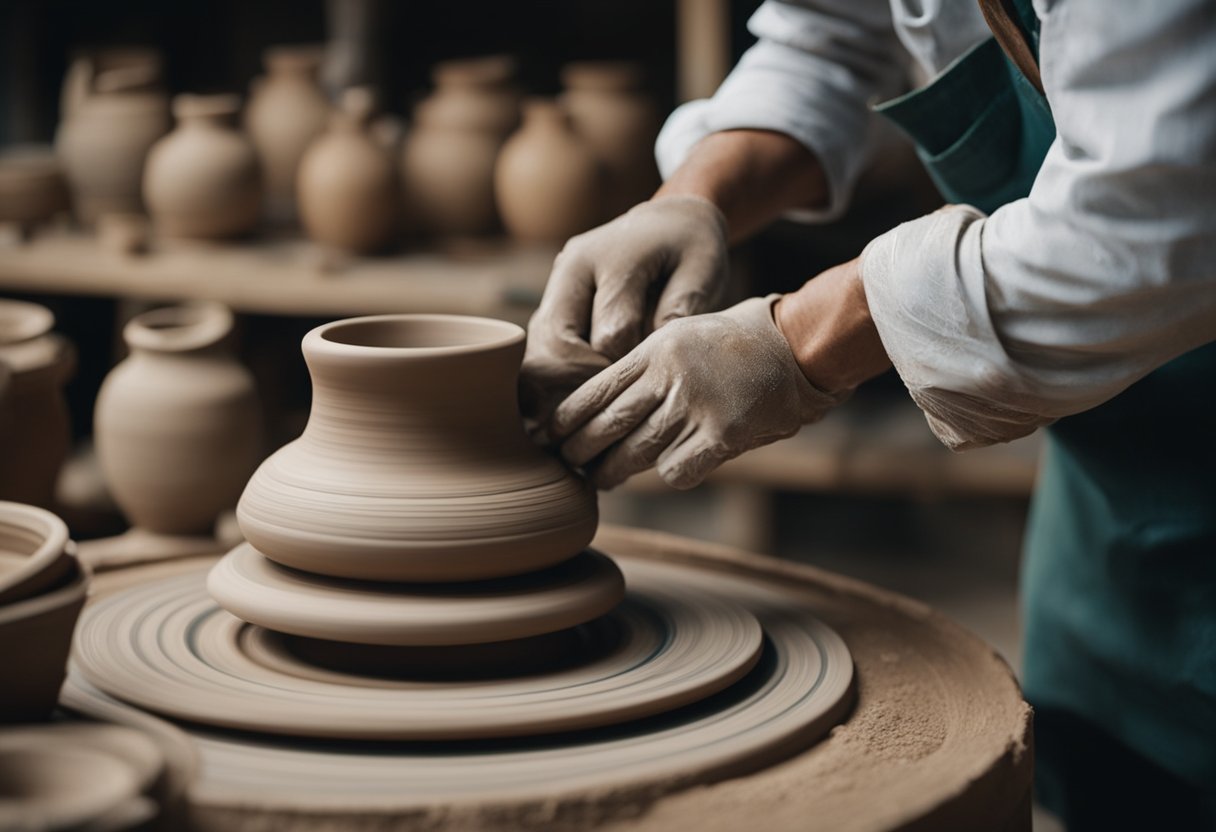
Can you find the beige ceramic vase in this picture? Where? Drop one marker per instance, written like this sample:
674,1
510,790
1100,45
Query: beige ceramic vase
203,180
414,464
347,185
32,187
105,141
177,424
610,109
287,111
547,181
34,428
447,162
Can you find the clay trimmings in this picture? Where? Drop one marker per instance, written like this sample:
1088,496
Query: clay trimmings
414,465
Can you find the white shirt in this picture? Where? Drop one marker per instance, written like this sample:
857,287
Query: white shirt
1054,303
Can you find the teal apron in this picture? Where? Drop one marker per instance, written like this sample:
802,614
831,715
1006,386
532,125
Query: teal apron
1119,579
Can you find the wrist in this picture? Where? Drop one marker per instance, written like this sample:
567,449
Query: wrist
828,326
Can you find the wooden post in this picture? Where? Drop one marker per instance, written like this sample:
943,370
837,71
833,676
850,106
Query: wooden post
703,47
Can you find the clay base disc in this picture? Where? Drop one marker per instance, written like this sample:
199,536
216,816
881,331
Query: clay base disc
257,590
141,546
168,648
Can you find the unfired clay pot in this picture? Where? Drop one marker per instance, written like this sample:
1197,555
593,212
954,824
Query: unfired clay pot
177,423
612,112
547,180
34,429
32,187
203,180
414,465
88,63
104,142
347,183
287,111
34,551
447,162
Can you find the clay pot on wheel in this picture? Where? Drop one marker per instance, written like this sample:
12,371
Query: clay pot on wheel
105,140
287,111
414,465
447,163
547,180
347,185
34,429
611,111
203,180
177,423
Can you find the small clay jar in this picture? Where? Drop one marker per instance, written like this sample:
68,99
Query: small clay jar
547,181
287,111
610,109
414,464
447,162
347,185
34,426
177,424
203,180
105,141
32,187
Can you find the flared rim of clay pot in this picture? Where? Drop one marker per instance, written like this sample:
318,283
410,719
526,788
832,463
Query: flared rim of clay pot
413,335
293,57
602,75
190,105
62,788
184,327
39,528
21,321
486,70
70,592
23,162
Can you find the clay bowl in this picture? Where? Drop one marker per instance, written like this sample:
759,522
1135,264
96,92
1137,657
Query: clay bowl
53,787
32,187
35,636
34,551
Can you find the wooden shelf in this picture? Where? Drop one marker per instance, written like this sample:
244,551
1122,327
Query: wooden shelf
287,276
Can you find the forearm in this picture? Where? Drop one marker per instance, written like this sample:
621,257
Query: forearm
753,176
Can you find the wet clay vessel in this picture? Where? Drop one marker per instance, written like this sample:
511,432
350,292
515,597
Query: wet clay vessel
34,429
105,139
287,111
203,180
547,181
611,110
34,551
347,183
177,424
414,465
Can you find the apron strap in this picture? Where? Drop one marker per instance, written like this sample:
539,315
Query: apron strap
1001,17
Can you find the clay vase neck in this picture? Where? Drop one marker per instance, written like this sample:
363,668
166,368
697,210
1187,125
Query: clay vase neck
206,111
189,330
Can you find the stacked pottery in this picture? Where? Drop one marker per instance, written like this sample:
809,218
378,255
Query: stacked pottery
287,111
177,424
32,187
34,429
548,182
203,180
347,184
104,140
414,467
447,162
611,111
42,589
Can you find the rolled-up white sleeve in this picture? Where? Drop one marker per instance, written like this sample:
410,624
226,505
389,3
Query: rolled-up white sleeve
1060,301
812,75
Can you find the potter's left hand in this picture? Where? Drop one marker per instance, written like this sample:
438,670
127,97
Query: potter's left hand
695,393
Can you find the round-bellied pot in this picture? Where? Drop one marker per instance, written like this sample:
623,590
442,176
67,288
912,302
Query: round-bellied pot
105,141
34,552
287,111
177,424
610,109
347,183
32,187
414,464
34,424
547,182
203,180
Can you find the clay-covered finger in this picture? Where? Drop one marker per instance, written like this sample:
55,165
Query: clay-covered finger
640,449
686,464
693,288
618,312
565,306
593,396
618,420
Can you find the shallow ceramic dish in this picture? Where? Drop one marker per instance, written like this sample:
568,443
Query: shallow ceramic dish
35,637
52,787
34,551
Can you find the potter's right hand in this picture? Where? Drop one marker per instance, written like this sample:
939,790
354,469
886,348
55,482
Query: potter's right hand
664,259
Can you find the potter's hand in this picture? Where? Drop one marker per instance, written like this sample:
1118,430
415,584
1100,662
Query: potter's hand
662,260
694,394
